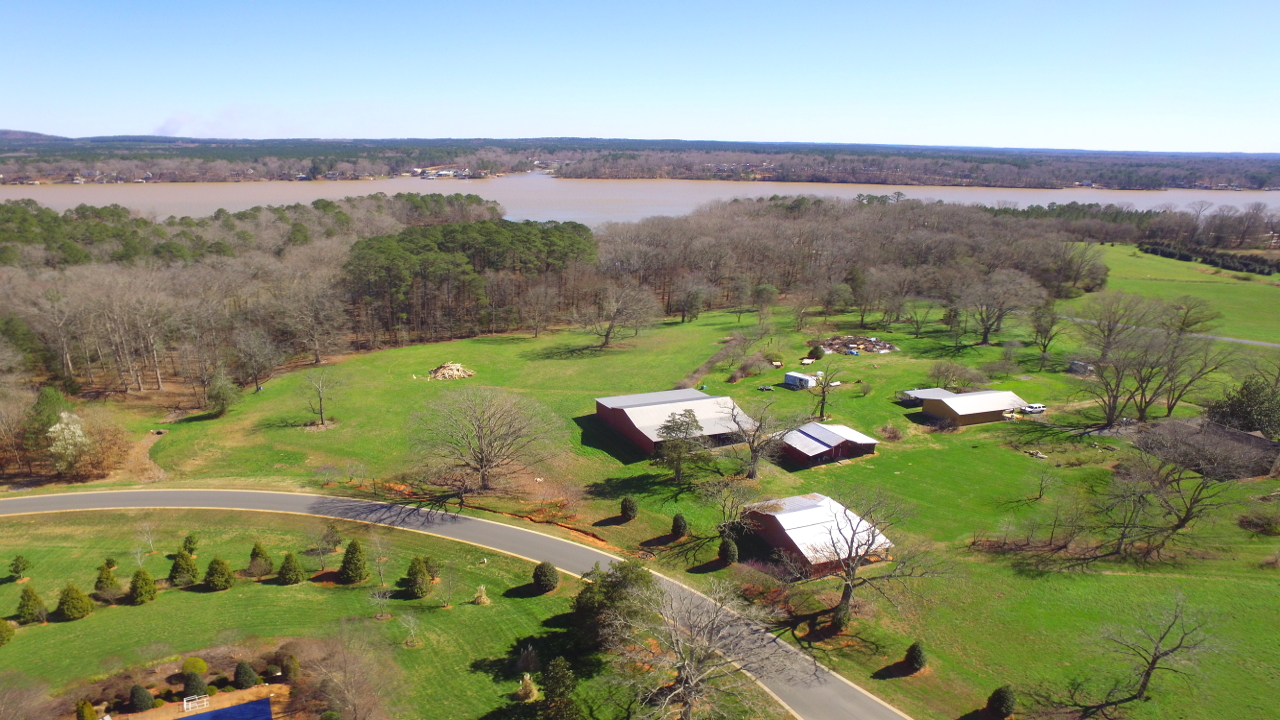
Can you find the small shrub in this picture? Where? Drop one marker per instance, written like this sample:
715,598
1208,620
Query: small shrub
630,509
272,671
6,632
19,567
291,572
773,356
817,352
260,555
1002,703
330,715
183,572
944,425
140,699
354,568
190,543
193,684
527,661
481,597
245,676
916,659
219,576
106,586
157,703
890,433
528,692
211,690
31,608
417,581
85,711
73,604
728,552
679,526
142,588
194,665
291,669
546,577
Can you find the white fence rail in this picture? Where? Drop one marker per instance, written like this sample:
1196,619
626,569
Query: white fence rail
195,702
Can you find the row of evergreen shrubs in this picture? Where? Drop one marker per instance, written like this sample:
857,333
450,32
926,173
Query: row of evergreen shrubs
1225,260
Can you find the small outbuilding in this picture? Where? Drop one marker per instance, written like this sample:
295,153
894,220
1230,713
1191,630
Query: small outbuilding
814,531
815,443
799,381
973,408
639,417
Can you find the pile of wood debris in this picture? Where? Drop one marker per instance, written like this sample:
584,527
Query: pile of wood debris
450,371
856,345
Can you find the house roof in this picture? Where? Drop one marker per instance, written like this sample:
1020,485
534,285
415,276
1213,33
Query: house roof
815,439
820,527
929,394
713,413
652,398
983,402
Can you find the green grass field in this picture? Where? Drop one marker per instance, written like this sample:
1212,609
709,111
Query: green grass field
69,546
1247,306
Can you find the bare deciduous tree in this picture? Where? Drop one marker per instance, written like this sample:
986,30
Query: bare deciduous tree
322,384
619,311
761,429
1164,643
483,432
355,677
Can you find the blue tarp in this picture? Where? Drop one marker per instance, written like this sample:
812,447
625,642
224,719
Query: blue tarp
256,710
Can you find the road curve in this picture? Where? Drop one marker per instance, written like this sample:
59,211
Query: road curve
824,696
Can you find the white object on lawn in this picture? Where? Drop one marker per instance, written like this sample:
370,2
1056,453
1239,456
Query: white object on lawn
195,702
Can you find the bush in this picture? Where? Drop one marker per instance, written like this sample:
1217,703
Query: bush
271,671
291,572
630,509
728,552
85,711
1261,522
817,352
915,659
194,665
245,676
73,604
1002,703
193,684
260,555
890,433
417,582
948,374
679,526
354,568
106,586
222,393
183,572
19,567
219,576
773,356
157,703
6,632
211,690
546,577
31,606
291,669
331,715
190,543
140,699
142,588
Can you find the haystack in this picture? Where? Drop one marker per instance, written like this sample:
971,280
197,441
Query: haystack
450,371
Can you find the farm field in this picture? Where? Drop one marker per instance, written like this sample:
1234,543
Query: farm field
986,623
67,547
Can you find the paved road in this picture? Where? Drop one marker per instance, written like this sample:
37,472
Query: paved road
824,697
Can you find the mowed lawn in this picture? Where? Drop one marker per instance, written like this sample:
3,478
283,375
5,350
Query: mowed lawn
986,623
1248,307
69,547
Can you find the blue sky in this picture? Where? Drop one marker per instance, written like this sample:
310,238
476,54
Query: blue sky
1115,75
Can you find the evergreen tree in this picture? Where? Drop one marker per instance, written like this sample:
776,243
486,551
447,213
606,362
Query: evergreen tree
1002,703
31,606
107,586
683,445
183,572
19,567
259,554
546,577
728,552
558,686
417,582
190,543
193,685
609,592
140,699
630,509
915,658
291,669
85,711
291,572
6,632
679,526
219,575
195,665
73,604
245,676
142,589
354,568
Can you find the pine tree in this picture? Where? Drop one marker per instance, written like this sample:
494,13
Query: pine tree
354,568
107,586
417,582
245,676
19,567
140,699
630,509
193,685
6,632
190,543
916,658
679,526
291,572
85,711
1002,703
259,554
728,553
558,686
142,589
183,572
546,577
31,606
73,604
219,575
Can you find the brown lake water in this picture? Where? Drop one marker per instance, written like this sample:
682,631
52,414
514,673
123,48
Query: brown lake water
541,197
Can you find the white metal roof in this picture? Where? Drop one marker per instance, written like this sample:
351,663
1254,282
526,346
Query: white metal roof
652,398
929,394
815,439
983,402
713,413
822,528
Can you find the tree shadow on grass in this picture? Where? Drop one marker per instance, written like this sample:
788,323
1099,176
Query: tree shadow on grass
564,352
525,591
893,671
599,436
278,423
709,566
648,484
610,521
202,417
501,340
547,647
659,541
979,714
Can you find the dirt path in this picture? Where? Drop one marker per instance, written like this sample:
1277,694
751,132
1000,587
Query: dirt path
138,464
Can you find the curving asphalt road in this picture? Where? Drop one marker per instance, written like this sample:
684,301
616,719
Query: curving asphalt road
821,695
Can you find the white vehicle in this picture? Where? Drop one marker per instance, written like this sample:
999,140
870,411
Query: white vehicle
1033,409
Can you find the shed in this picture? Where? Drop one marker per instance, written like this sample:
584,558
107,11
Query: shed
799,381
973,408
814,444
638,417
814,530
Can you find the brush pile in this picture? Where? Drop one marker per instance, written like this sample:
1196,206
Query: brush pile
849,344
450,371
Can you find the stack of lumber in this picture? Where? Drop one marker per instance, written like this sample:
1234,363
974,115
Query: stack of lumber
450,371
